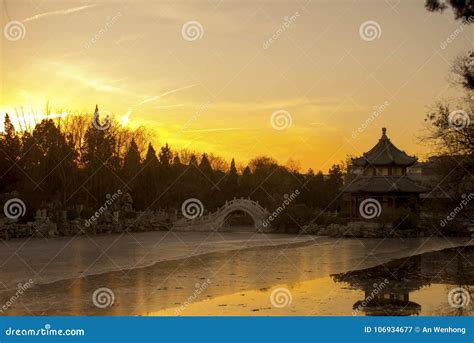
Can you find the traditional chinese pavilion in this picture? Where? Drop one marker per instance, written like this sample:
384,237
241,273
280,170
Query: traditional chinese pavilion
381,174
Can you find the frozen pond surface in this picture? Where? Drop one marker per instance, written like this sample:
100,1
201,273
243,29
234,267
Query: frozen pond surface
70,257
236,274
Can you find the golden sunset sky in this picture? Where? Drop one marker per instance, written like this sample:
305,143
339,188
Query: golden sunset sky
216,91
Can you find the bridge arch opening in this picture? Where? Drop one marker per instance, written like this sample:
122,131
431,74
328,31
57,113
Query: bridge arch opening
242,208
239,221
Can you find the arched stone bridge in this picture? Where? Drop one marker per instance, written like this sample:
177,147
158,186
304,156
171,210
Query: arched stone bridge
216,220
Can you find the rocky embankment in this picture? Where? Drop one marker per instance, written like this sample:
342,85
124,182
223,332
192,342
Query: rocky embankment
362,229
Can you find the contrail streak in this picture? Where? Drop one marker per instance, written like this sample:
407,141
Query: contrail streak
165,94
66,11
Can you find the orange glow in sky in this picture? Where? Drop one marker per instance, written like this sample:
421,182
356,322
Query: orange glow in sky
208,75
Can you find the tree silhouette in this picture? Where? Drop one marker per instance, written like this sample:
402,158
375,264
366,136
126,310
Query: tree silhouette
66,164
463,66
463,9
101,164
231,182
462,71
9,156
449,131
130,171
149,177
166,157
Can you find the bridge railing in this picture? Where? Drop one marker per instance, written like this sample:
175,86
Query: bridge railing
214,215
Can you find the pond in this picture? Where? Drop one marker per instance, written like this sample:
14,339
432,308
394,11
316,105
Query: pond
300,280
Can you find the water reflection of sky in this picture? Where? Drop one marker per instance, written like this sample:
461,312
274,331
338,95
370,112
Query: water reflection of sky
241,283
418,285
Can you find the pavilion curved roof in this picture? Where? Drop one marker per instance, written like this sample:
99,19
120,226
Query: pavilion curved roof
385,184
384,153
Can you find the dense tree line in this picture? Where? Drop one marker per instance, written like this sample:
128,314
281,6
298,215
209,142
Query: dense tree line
450,130
68,162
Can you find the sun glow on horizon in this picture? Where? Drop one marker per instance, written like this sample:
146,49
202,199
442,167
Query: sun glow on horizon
217,94
124,120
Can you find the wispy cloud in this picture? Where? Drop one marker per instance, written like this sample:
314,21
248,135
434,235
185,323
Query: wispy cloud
59,12
90,78
215,130
165,94
96,84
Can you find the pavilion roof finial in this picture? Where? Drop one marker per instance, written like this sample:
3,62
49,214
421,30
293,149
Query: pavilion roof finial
384,153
